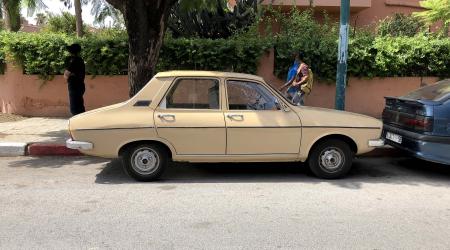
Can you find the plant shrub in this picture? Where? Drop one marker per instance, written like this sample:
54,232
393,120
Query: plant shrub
106,53
64,23
401,25
301,32
44,53
412,56
239,55
368,55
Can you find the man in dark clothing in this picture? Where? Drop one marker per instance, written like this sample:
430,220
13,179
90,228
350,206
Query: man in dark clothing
75,73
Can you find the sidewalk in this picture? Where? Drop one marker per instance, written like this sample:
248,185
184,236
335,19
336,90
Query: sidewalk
46,130
33,136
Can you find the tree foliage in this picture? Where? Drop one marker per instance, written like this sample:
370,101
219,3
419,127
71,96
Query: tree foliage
370,55
401,25
63,23
436,10
101,10
11,9
218,23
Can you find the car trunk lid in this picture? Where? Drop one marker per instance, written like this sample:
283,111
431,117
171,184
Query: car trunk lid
408,114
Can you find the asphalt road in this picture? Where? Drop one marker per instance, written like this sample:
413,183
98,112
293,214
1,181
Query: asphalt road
89,203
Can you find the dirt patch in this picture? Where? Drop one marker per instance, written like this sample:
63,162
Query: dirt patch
10,117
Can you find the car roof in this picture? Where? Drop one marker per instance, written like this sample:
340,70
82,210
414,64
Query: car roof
201,73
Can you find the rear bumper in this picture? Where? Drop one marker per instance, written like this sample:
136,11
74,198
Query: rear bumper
427,147
80,145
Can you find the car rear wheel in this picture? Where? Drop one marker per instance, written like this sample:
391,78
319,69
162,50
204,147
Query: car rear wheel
145,162
330,159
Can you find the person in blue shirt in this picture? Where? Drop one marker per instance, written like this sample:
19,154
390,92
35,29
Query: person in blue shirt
299,81
292,72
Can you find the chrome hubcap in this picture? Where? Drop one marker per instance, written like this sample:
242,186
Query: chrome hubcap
331,159
145,161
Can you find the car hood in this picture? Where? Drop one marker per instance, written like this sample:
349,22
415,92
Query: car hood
311,116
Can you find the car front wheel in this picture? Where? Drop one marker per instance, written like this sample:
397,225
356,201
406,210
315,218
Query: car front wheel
330,159
145,162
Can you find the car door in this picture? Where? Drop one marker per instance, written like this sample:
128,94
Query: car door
190,118
256,122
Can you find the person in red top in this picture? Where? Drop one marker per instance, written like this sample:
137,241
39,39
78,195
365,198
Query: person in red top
298,85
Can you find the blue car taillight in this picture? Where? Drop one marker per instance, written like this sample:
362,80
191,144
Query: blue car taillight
419,123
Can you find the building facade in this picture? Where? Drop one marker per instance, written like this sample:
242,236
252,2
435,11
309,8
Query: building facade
363,12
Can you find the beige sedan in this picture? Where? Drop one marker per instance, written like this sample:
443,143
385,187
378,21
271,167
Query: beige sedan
201,116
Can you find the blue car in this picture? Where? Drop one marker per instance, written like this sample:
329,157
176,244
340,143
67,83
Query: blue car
419,122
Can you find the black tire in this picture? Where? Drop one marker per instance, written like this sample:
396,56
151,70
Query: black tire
145,162
330,159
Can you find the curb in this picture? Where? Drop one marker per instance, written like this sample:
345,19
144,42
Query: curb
47,149
13,148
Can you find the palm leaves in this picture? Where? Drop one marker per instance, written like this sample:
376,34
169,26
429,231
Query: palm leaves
33,5
102,9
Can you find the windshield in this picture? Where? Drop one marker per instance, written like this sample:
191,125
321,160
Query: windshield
433,92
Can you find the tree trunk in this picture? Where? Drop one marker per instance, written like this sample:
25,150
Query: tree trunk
6,17
79,18
11,11
146,24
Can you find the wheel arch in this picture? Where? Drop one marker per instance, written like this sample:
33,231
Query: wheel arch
165,145
344,138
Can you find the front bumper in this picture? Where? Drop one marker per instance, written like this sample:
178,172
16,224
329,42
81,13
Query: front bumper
80,145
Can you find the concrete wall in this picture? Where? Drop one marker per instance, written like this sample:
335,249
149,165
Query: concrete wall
381,9
362,12
30,96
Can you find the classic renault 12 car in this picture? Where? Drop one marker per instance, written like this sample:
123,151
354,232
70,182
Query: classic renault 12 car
201,116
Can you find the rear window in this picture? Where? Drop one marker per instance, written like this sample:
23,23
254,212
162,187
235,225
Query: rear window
433,92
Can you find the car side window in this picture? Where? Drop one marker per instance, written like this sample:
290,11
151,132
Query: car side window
191,93
243,95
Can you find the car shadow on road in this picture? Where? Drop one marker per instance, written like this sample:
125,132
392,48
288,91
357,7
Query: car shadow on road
404,171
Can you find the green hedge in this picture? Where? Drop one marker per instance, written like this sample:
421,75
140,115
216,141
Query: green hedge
381,56
369,56
44,53
235,54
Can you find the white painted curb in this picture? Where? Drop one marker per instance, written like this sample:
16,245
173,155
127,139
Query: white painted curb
12,148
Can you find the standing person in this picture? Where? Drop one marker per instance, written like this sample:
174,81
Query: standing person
292,72
74,74
301,84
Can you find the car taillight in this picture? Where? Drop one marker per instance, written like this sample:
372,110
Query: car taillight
419,123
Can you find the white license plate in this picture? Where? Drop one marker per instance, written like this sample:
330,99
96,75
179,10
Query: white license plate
394,137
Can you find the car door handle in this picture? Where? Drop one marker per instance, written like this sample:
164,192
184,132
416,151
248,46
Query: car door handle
235,116
164,116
